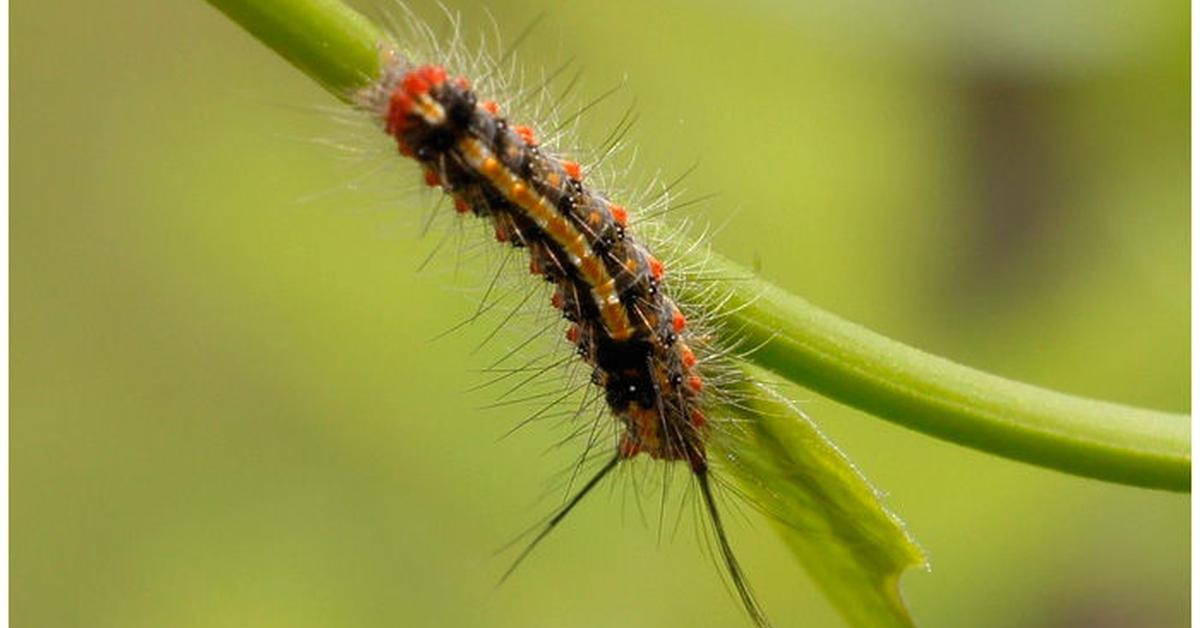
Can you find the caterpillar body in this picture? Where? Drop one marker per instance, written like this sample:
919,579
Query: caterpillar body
610,287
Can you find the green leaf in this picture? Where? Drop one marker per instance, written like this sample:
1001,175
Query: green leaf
828,514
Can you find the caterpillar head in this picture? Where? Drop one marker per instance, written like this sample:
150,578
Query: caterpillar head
427,111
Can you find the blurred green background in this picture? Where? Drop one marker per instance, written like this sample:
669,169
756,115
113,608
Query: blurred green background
227,410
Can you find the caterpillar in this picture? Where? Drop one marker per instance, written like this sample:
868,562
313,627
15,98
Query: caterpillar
646,359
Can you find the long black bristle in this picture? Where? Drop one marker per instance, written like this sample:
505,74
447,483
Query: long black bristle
562,513
740,584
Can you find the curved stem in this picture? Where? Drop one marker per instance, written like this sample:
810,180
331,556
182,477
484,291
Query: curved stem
863,369
327,40
846,362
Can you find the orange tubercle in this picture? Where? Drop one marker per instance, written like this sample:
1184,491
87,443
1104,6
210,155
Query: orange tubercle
688,357
399,106
422,79
573,334
434,74
432,179
656,267
491,107
461,206
619,214
695,383
678,322
573,170
415,84
526,134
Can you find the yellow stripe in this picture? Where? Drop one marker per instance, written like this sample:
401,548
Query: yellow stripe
431,111
545,215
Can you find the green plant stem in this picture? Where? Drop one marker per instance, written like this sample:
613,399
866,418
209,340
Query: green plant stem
860,368
338,48
330,42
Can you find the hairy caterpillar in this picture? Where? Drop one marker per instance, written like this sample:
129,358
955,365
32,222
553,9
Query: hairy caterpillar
654,368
